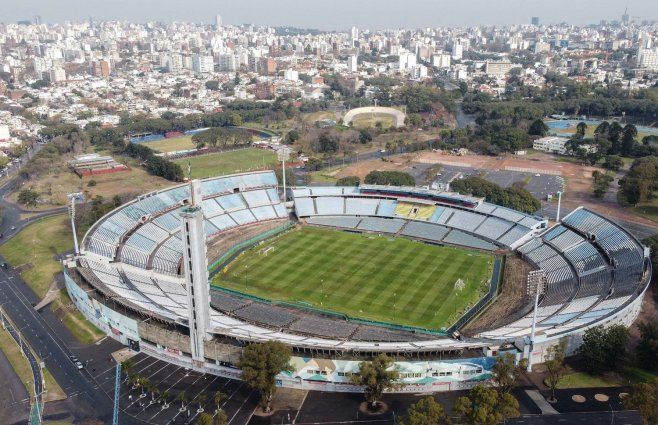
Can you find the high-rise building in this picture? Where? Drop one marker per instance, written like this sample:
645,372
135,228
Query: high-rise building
354,35
647,58
101,68
534,20
227,62
218,21
203,64
441,60
457,49
57,75
352,63
291,75
407,60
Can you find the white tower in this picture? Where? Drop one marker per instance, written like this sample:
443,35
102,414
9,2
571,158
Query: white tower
196,272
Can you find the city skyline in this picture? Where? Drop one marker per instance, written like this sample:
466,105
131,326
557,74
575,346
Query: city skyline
387,14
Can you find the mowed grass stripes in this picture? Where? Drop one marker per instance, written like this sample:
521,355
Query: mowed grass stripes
379,278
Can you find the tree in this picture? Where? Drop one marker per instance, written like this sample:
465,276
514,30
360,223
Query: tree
376,376
645,399
485,406
204,419
628,139
291,137
647,349
390,178
555,368
28,197
506,372
365,136
260,364
581,129
613,162
218,398
538,128
327,143
348,181
220,418
603,349
212,85
182,398
426,411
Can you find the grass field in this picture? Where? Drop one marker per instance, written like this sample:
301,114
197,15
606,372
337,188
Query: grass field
370,120
379,278
220,163
171,145
33,251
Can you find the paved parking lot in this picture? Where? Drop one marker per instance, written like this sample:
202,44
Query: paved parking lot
238,405
539,185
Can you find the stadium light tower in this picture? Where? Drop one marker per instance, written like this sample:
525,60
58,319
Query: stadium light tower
284,155
196,272
559,203
536,286
73,198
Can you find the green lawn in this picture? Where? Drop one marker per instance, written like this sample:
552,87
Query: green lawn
584,380
33,250
173,144
220,163
380,278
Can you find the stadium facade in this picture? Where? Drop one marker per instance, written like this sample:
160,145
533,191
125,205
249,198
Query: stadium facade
132,279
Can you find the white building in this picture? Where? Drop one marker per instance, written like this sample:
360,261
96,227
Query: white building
4,133
457,49
291,75
202,64
352,63
407,61
441,60
551,144
57,75
647,58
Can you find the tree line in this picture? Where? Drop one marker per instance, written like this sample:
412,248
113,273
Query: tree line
515,197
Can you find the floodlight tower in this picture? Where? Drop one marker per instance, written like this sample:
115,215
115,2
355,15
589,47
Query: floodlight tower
196,272
284,155
73,198
559,204
536,286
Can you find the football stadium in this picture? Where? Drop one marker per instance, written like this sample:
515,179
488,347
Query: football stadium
440,281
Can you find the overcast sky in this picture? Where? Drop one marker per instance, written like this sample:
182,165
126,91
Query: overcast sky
332,14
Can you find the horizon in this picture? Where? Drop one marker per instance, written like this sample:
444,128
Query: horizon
390,14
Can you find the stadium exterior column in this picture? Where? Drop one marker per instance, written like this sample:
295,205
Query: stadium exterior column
196,272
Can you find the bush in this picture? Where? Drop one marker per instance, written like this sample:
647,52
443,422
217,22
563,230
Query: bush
390,178
348,181
28,197
91,183
515,197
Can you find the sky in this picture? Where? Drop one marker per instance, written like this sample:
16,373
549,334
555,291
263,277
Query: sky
332,14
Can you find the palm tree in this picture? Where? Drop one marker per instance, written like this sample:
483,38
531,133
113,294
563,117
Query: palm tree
183,399
164,398
201,399
154,390
218,398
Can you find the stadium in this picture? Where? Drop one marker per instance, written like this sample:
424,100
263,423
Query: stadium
440,281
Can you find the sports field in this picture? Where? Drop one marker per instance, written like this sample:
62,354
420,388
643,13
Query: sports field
379,278
220,163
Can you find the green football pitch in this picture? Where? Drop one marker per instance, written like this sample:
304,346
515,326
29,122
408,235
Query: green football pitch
380,278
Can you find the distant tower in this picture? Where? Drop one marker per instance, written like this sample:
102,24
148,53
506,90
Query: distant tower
218,21
196,272
625,18
535,20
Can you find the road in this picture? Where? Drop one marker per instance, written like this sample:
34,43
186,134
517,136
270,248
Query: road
35,365
44,332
